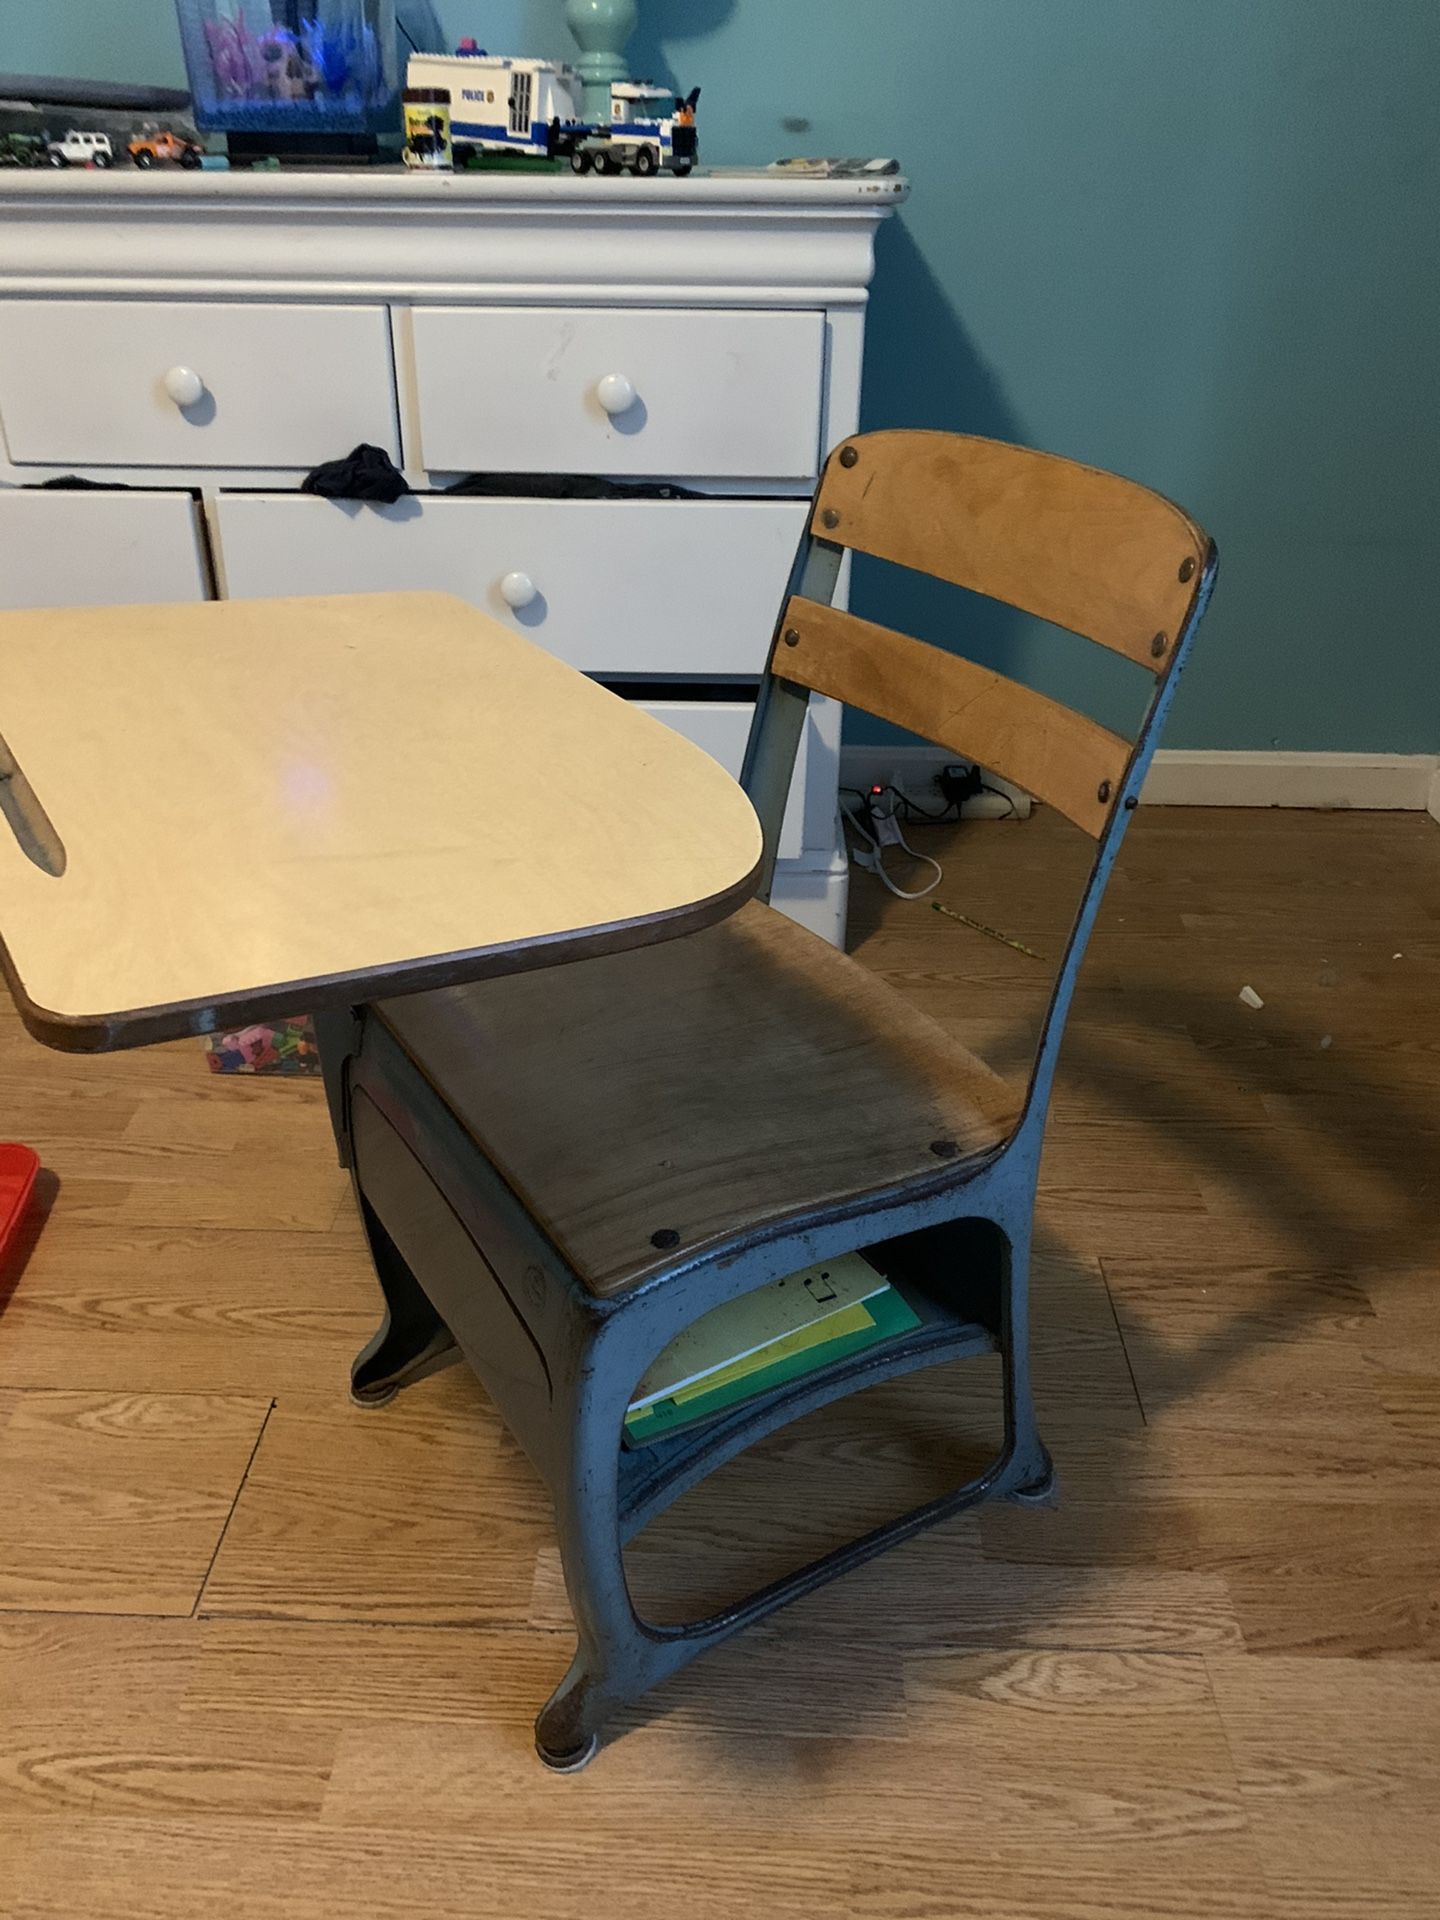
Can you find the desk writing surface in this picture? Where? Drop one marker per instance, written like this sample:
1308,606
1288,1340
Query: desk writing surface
298,803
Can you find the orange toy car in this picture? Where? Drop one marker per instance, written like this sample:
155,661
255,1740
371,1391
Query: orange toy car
150,149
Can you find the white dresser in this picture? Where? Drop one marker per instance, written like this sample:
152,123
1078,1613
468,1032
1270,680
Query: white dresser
209,338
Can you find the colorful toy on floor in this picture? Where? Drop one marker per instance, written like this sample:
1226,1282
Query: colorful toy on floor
287,1048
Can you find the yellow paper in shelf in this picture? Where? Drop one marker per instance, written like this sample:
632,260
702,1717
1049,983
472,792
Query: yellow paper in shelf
853,1319
753,1322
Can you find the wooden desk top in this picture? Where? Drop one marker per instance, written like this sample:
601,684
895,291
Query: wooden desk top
277,806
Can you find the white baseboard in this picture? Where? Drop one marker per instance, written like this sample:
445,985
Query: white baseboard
1197,777
1391,782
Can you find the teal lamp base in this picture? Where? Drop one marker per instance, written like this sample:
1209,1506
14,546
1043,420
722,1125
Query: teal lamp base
601,28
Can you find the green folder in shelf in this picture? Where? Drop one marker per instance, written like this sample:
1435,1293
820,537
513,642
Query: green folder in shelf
823,1314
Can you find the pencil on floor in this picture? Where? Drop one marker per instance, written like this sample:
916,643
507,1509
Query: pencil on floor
992,933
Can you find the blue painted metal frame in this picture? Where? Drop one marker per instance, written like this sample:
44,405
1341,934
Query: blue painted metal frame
593,1350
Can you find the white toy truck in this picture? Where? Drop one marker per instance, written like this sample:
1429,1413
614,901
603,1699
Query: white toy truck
531,108
75,148
649,129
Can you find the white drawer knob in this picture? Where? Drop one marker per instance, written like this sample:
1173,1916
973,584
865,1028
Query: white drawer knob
184,386
517,590
615,393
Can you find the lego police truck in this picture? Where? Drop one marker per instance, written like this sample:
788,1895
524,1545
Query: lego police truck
532,108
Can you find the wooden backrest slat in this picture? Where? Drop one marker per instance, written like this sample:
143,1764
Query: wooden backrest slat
1086,550
1070,762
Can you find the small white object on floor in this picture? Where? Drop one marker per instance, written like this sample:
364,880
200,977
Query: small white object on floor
1249,998
1324,1039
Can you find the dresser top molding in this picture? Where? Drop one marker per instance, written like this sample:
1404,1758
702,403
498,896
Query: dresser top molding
348,235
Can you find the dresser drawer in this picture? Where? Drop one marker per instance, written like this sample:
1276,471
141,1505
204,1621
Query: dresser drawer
83,383
720,395
721,729
62,549
620,586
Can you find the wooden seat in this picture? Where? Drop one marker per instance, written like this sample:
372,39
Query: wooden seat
710,1086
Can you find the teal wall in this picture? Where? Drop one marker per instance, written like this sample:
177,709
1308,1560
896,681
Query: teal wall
1193,242
94,39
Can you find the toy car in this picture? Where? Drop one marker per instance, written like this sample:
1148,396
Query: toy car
22,150
77,149
649,128
161,144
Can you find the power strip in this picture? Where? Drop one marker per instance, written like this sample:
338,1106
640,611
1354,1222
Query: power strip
922,775
875,818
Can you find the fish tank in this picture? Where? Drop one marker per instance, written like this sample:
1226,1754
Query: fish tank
302,78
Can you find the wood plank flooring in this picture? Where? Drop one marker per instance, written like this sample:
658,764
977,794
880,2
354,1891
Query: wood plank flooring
263,1653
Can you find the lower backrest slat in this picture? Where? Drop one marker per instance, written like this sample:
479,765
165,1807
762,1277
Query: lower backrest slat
1061,757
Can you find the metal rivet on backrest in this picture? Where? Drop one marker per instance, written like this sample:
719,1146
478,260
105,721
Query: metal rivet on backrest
792,637
830,518
1187,569
665,1238
848,456
1102,792
944,1149
1159,644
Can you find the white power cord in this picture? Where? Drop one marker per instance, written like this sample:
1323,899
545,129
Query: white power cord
888,833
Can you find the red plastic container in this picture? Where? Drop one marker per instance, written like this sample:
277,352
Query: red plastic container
18,1168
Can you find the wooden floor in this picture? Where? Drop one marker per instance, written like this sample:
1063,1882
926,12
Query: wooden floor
265,1654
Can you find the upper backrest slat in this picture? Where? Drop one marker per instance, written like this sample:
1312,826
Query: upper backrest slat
1068,761
1086,550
